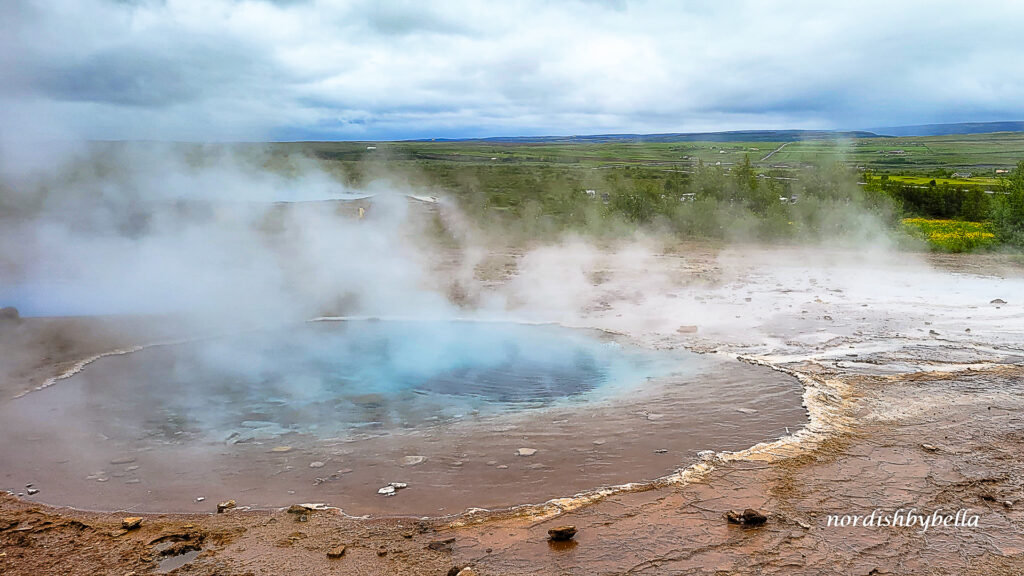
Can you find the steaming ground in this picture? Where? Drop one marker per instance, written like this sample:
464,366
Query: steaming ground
894,352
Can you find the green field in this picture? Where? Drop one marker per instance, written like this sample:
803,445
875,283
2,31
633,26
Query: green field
924,157
767,191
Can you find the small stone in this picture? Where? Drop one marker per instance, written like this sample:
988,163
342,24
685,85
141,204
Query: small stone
299,509
746,410
706,454
225,505
598,442
413,460
562,533
382,551
32,491
316,464
200,498
442,545
398,485
336,552
749,517
661,451
281,449
998,301
131,523
930,447
526,452
502,466
386,491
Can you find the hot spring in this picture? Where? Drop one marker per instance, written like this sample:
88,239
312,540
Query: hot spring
331,411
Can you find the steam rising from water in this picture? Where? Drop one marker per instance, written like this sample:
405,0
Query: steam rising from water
158,229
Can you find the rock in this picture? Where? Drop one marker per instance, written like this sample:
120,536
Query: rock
317,464
386,491
200,498
467,571
299,509
749,517
706,454
9,313
996,301
441,545
930,447
398,485
933,332
502,467
746,410
661,451
32,491
336,552
754,517
131,523
281,449
413,460
526,452
225,505
562,533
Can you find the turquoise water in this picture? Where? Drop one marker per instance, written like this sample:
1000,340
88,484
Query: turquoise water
329,378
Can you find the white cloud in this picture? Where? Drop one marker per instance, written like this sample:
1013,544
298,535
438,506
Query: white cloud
220,69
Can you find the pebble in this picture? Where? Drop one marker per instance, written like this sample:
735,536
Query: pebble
281,449
316,464
502,467
930,447
661,451
32,491
562,533
749,517
526,452
336,552
200,498
225,505
131,522
442,545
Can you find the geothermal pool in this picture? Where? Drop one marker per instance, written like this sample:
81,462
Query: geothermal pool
332,411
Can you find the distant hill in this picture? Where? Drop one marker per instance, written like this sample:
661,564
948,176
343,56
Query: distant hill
733,136
756,135
944,129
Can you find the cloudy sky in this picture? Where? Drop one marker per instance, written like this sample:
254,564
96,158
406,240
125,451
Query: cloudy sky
282,70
